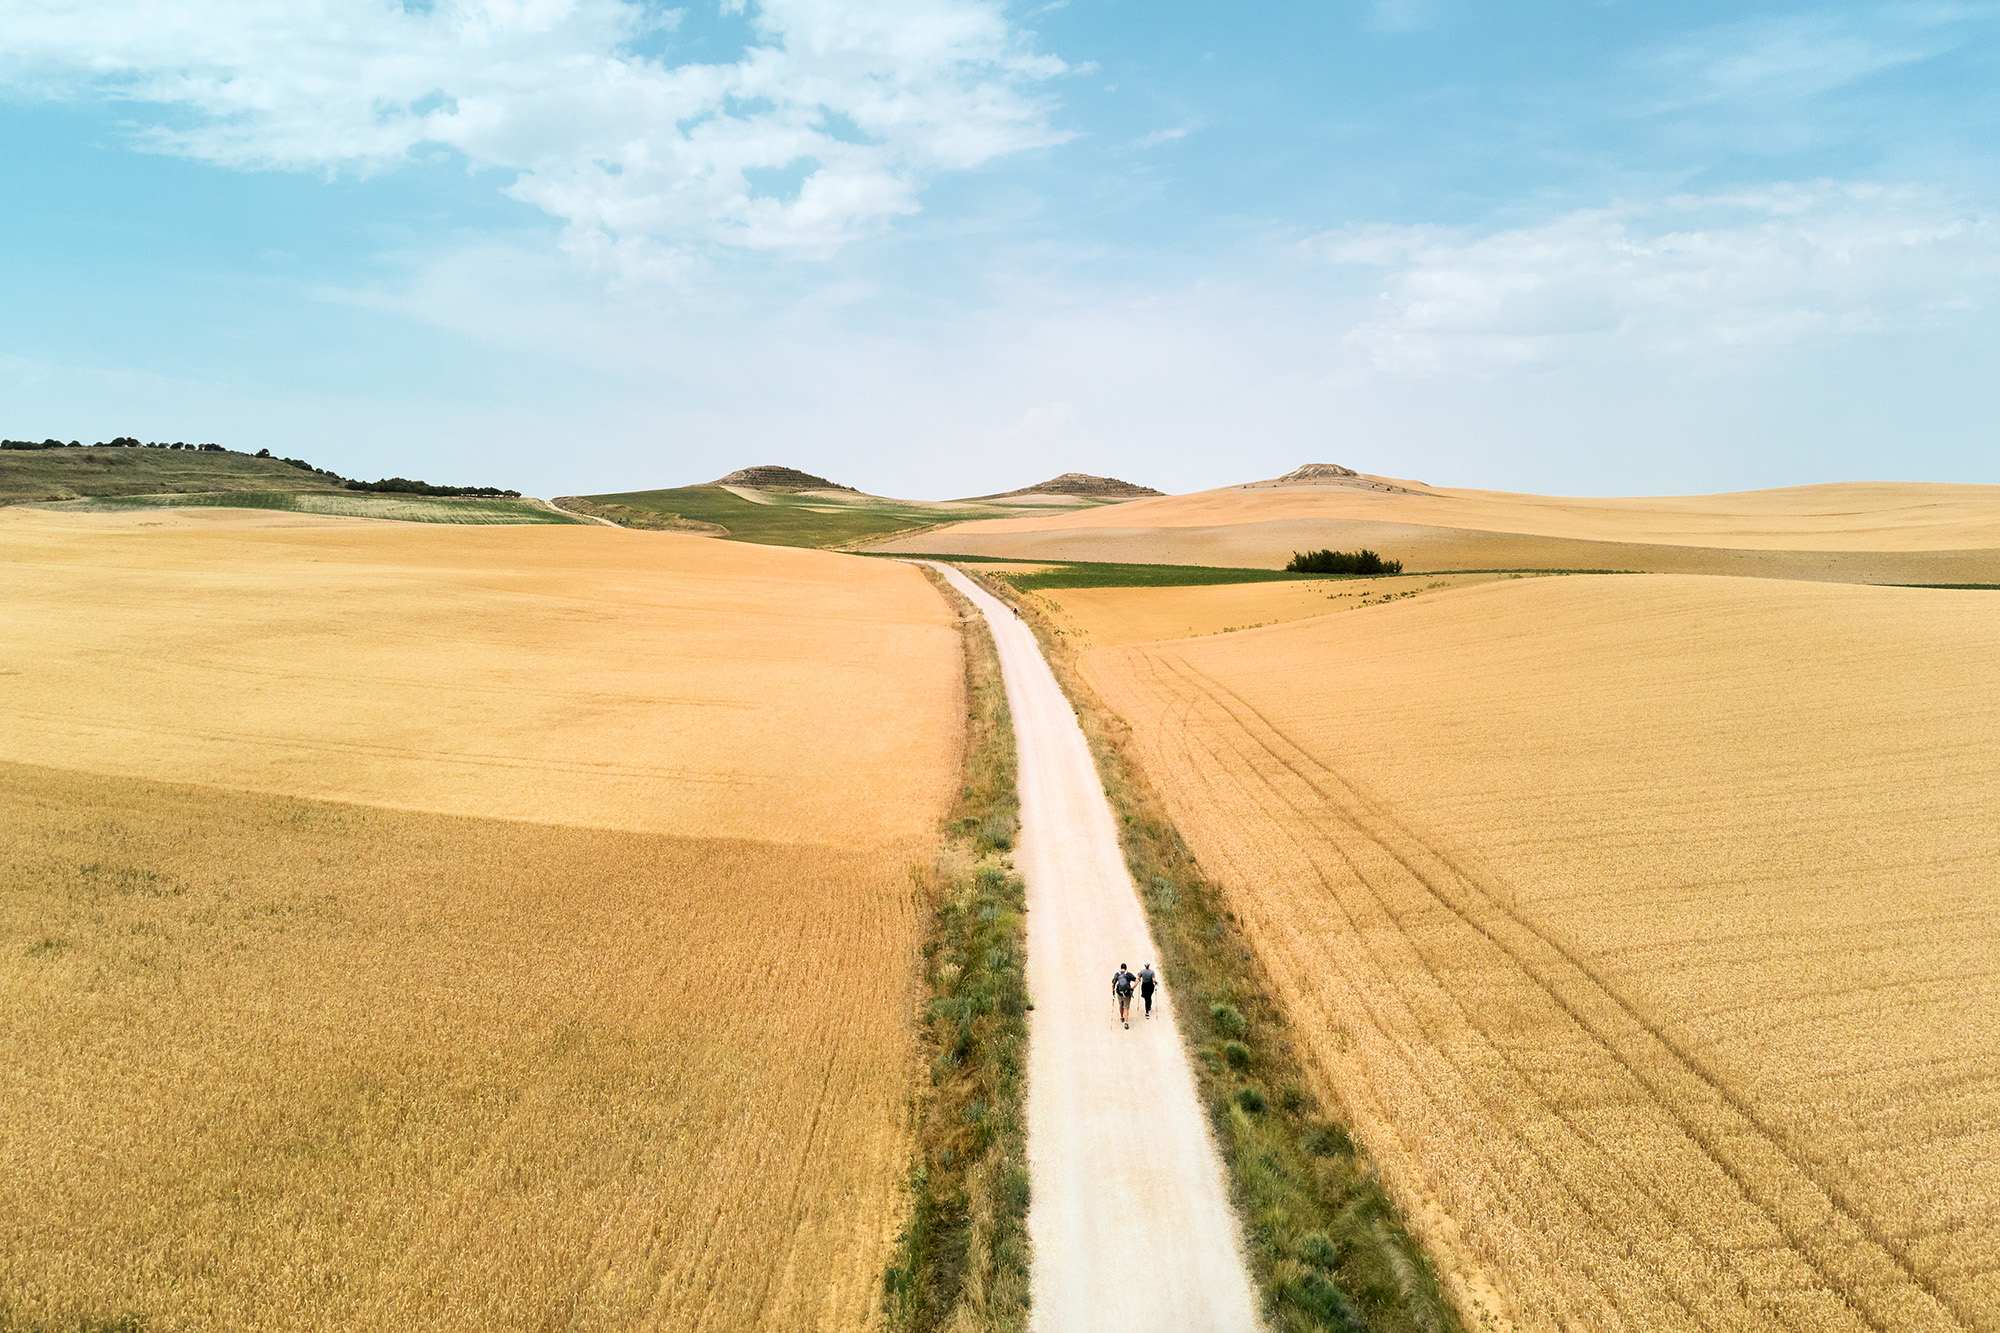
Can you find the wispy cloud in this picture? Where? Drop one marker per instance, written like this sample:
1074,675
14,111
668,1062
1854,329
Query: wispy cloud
1405,15
1685,274
1766,60
852,104
1158,137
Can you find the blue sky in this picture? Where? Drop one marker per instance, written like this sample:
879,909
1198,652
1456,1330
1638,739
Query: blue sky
941,247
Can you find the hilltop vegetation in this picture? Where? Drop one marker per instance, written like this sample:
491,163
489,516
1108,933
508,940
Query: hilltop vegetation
363,502
126,474
773,477
1081,484
69,473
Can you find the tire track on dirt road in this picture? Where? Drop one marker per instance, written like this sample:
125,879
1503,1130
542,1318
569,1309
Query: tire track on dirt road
1130,1220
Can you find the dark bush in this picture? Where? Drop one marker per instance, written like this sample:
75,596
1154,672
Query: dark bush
405,486
1363,561
1228,1020
1251,1100
1329,1141
1237,1054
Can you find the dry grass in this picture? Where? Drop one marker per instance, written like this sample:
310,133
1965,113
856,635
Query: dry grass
1867,533
633,1054
1642,926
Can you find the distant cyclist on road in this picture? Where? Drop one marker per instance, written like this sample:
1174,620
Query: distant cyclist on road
1148,979
1122,982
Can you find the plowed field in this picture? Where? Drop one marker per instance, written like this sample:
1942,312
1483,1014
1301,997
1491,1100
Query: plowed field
1644,926
456,929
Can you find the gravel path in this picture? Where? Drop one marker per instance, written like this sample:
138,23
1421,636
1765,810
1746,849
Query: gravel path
1130,1219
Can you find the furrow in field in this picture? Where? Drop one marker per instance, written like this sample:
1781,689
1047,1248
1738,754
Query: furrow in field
1804,1199
1641,925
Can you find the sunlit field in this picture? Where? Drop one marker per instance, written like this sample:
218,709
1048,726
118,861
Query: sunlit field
1641,925
411,927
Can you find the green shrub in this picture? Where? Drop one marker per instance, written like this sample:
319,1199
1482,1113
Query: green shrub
1228,1020
1251,1100
1363,561
1237,1054
1328,1141
1293,1098
1317,1248
1318,1296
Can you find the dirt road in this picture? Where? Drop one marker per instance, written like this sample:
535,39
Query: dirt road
1130,1219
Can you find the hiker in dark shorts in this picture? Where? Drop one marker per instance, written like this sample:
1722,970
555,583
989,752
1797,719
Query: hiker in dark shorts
1122,982
1148,979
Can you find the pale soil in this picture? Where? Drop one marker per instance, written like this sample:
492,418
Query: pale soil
645,681
1848,516
1642,925
1130,1218
621,1040
1106,617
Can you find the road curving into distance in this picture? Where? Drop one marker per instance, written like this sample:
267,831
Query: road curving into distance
1129,1221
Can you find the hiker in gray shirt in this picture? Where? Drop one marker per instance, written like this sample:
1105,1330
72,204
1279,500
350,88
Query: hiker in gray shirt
1148,979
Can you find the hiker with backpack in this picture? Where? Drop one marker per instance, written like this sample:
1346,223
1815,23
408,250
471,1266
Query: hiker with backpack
1148,980
1122,982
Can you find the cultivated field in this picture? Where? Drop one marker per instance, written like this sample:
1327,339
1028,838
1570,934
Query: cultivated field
1872,533
1104,617
420,927
1643,926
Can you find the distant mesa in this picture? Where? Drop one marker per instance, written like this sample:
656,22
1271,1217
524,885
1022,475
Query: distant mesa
1081,483
771,477
1313,472
1333,474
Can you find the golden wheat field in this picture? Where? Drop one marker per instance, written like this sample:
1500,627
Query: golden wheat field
454,929
1852,532
1644,926
1105,617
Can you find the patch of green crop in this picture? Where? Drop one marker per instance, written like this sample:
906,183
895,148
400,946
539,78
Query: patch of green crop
790,520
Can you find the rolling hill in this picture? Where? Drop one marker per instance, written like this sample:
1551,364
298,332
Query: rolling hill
1879,532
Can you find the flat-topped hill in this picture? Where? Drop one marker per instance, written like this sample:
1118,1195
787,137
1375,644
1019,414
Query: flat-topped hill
1081,483
68,474
772,477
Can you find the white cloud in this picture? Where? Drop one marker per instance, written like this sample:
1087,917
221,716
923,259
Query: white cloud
1683,275
1158,137
827,125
